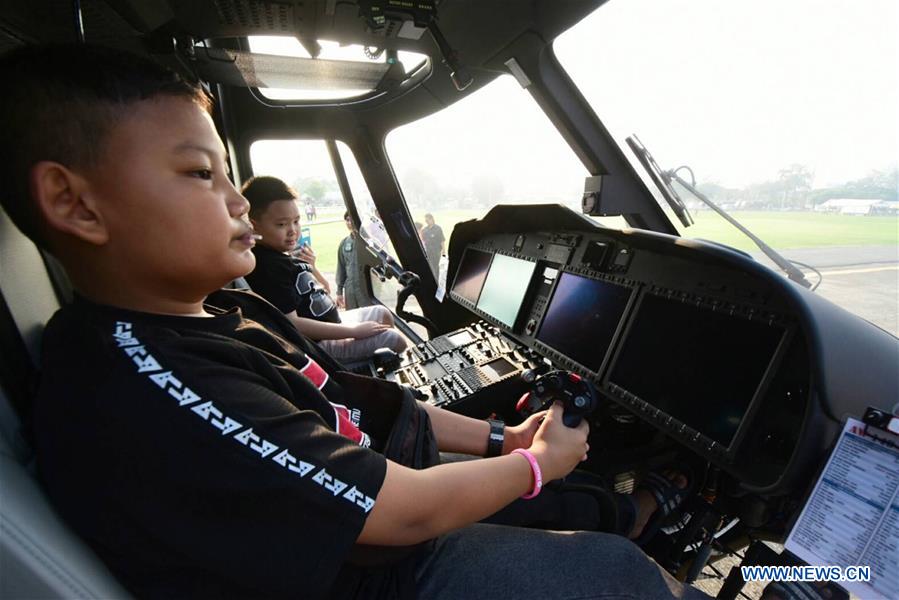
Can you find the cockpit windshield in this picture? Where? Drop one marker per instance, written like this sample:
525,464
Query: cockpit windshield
785,112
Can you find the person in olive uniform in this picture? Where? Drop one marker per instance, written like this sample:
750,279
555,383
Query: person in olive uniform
351,291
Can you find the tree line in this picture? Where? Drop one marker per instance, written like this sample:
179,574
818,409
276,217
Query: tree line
792,189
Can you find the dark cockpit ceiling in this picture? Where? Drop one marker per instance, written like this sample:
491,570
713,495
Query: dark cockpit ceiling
480,31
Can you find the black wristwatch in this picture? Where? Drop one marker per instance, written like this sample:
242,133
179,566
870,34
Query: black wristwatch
496,438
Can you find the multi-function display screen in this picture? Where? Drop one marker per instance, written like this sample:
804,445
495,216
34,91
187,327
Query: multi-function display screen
582,318
699,366
499,368
471,274
461,338
505,287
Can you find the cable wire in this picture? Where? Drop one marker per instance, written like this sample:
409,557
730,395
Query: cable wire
689,170
373,52
812,269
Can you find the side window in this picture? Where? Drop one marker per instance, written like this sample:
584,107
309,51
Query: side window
493,147
306,166
375,235
372,229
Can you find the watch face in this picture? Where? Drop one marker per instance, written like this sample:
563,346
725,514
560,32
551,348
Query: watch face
496,438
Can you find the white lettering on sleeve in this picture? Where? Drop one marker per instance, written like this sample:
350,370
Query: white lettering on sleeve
336,487
285,459
165,379
142,359
265,448
227,425
184,397
206,409
330,483
146,363
244,437
367,504
303,468
360,499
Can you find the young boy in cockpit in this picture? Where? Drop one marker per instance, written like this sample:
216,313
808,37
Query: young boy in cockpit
194,444
289,280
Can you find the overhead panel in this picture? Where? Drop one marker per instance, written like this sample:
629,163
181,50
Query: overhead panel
232,67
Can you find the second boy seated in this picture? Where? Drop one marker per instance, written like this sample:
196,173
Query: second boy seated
293,284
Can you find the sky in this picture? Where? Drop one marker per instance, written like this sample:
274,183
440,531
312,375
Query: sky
737,90
741,89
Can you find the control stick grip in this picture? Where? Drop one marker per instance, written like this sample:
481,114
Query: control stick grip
577,395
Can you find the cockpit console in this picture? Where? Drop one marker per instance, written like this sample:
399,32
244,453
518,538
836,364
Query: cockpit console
723,357
694,349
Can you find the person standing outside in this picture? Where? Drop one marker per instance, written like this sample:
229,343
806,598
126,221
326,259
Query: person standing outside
418,227
351,291
434,241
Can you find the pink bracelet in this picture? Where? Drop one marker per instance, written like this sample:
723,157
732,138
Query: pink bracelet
535,469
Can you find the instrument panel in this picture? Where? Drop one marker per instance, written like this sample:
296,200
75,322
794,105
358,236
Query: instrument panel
710,348
604,315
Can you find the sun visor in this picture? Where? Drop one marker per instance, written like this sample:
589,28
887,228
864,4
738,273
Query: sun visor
238,68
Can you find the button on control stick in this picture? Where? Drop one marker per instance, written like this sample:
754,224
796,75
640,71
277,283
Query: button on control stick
577,395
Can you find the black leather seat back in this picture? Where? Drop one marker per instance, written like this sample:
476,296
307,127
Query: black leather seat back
40,557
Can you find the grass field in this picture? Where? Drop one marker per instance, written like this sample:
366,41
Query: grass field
797,229
778,229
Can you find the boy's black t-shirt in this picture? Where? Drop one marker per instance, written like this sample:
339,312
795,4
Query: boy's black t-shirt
289,284
205,457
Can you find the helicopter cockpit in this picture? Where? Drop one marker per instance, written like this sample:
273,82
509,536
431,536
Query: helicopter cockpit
699,355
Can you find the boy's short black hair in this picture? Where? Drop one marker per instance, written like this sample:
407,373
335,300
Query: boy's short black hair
262,191
59,103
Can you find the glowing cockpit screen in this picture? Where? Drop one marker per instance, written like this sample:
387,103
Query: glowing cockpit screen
505,287
582,318
471,274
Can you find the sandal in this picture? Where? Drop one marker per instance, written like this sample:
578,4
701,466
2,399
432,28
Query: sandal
668,497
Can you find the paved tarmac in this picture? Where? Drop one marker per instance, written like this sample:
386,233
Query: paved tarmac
862,279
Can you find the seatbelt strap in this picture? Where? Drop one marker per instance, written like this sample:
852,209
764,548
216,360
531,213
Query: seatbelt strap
59,279
18,375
